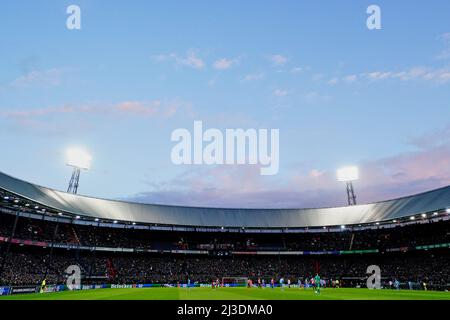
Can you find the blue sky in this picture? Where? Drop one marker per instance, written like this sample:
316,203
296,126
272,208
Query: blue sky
339,93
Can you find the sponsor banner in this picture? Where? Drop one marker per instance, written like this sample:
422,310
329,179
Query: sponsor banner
148,285
359,251
20,290
87,287
123,286
322,252
433,246
244,252
4,291
55,288
102,286
190,251
146,250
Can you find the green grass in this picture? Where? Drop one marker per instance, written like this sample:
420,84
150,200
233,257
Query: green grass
234,294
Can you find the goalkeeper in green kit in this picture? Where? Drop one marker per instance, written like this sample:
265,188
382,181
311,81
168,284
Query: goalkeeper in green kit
317,283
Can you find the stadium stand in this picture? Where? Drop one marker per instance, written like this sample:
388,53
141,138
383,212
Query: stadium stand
39,240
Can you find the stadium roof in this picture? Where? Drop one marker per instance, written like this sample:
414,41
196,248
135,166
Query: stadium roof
231,218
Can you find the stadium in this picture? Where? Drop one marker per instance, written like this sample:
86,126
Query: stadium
141,251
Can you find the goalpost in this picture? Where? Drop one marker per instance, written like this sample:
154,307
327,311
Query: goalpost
234,281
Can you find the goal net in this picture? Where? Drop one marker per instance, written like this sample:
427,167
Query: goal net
234,281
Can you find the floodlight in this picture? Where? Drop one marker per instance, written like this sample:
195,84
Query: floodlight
348,174
78,158
448,210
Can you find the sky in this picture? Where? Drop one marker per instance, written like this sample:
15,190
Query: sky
339,93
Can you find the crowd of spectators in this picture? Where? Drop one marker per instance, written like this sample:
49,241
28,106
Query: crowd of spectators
412,235
24,267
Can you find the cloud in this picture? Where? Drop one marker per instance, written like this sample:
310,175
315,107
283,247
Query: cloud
296,70
435,138
314,96
154,108
224,63
253,77
280,93
419,73
278,60
445,53
440,75
243,187
333,81
350,78
190,59
48,78
377,75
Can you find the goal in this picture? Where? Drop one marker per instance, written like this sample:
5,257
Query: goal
234,281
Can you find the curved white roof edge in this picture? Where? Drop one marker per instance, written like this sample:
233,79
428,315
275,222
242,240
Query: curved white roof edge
230,218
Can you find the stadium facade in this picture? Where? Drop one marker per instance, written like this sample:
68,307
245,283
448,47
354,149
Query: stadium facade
53,201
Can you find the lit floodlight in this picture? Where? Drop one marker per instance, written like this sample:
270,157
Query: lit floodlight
448,210
78,158
348,174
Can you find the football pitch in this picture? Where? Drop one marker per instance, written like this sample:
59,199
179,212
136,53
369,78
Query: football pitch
234,294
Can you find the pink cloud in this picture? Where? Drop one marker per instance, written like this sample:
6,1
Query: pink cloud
243,187
155,108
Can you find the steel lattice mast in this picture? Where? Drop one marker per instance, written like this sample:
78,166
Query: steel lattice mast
74,181
351,197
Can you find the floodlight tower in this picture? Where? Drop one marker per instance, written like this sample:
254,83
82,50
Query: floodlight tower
348,175
79,160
